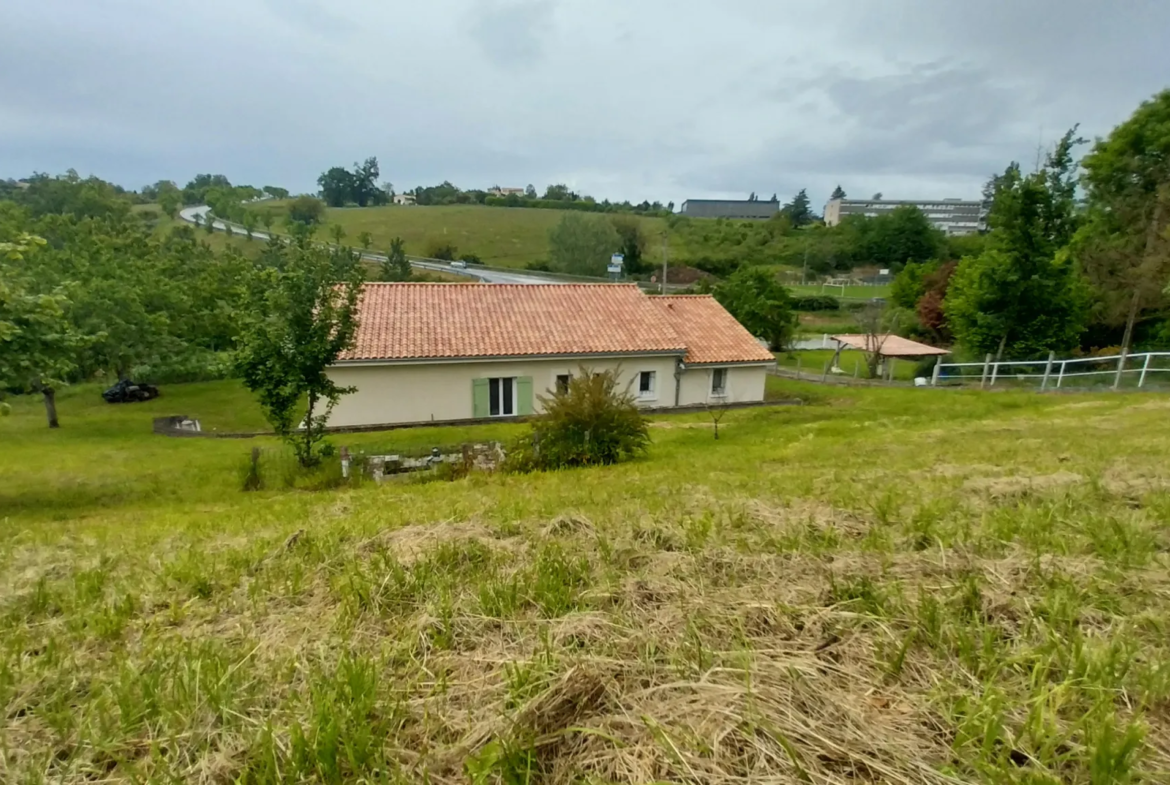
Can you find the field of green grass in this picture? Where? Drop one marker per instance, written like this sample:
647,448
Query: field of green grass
850,292
813,361
884,585
500,236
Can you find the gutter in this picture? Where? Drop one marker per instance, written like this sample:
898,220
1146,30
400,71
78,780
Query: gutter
679,368
504,358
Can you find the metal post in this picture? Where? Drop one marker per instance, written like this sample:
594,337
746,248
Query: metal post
1145,369
1060,379
1120,368
664,258
986,370
1047,371
937,370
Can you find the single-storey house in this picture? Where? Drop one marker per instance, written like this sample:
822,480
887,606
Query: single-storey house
448,352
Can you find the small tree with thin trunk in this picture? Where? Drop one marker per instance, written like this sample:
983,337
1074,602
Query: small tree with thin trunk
877,323
301,314
38,345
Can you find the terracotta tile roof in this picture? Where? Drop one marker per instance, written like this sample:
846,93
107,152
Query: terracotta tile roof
712,335
891,345
402,321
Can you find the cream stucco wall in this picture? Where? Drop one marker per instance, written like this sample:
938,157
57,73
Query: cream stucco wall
744,384
422,392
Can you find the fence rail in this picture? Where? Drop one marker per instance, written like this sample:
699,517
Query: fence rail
1117,371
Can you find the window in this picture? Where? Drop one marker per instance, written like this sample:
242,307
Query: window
647,385
719,382
563,380
502,397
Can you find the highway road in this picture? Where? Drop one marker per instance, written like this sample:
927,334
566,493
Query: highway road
189,214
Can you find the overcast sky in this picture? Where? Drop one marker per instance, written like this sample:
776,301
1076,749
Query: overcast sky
637,99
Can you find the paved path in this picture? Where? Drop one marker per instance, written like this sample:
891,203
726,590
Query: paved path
189,214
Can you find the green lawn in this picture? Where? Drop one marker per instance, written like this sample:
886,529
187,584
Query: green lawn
500,236
851,292
885,585
813,361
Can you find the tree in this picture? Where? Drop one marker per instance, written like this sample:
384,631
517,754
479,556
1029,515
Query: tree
838,193
760,303
337,186
877,197
798,210
170,201
249,220
337,232
364,184
37,342
910,284
306,210
903,236
365,240
752,197
530,191
582,244
877,324
559,192
1124,248
275,192
1023,296
267,219
301,314
397,266
633,243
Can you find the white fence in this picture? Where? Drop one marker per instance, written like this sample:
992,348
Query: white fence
1116,371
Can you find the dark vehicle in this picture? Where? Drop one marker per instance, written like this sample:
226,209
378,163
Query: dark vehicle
127,391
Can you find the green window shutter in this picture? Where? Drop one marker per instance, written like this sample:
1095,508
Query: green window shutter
481,402
524,395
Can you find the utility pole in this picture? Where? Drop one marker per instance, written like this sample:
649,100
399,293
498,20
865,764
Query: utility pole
665,256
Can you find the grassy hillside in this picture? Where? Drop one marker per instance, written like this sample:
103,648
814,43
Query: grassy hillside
500,236
884,586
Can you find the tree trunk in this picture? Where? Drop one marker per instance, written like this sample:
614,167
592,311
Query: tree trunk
307,456
1131,319
1002,345
50,396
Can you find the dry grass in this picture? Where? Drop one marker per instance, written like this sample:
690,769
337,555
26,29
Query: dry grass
894,591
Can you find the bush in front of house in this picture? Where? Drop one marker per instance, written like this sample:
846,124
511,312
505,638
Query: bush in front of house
590,423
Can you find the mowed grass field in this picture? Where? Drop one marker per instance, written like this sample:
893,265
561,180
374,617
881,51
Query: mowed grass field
500,236
895,586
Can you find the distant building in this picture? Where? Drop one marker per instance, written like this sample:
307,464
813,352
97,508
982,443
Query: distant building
498,191
729,208
953,216
407,199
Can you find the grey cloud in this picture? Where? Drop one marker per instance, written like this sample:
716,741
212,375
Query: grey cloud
511,33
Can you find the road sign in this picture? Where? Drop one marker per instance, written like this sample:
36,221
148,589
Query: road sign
615,264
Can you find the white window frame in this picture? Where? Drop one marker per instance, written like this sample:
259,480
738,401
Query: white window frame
652,393
720,393
499,380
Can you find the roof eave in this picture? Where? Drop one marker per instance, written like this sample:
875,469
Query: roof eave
681,352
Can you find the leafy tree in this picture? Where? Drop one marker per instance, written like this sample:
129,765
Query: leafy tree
365,240
301,314
1023,296
337,232
276,192
195,191
307,210
37,342
397,266
249,220
910,284
760,303
903,236
365,184
559,192
838,193
170,202
530,192
752,197
443,250
633,243
1124,248
337,186
799,210
582,244
268,219
209,223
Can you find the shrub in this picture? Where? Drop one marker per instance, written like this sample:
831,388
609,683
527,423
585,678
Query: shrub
307,210
590,423
442,249
471,258
816,302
